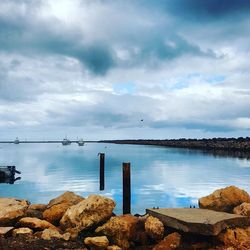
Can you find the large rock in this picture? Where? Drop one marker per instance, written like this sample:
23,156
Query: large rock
113,247
87,213
67,197
33,213
58,206
154,228
120,229
236,237
170,242
35,223
49,234
243,209
22,231
99,242
55,213
5,230
224,199
11,210
38,207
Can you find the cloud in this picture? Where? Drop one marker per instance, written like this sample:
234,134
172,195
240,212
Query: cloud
205,10
86,65
147,43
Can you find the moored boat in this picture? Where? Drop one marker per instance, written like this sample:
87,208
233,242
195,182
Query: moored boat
16,141
66,141
80,142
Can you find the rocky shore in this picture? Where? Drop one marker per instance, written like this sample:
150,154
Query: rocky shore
226,144
74,222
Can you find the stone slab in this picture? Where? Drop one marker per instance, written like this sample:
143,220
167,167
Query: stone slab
199,221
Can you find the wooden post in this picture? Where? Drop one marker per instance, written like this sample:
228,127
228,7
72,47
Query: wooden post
126,186
102,160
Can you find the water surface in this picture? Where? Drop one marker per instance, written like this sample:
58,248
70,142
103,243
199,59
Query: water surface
161,176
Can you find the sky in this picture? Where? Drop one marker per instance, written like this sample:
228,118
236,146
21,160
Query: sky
113,69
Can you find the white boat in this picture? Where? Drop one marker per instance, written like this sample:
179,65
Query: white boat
66,141
80,142
16,141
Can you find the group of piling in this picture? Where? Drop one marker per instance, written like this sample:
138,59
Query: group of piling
126,183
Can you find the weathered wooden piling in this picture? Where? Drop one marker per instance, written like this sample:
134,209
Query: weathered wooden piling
126,187
102,165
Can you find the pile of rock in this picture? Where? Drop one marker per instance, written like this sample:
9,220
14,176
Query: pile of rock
232,200
71,217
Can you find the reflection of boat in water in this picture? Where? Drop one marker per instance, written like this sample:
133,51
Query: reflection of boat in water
16,141
80,142
66,141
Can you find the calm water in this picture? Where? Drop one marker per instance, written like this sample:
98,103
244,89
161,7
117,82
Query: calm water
164,177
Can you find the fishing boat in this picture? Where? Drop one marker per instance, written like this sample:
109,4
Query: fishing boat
66,141
16,141
80,142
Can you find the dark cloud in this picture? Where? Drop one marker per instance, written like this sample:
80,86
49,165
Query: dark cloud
20,34
171,47
196,10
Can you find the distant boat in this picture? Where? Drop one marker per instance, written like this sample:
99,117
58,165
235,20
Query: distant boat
66,141
16,141
80,142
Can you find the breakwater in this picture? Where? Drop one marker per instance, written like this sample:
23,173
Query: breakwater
226,144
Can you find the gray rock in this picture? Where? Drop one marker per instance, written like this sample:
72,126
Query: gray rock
199,221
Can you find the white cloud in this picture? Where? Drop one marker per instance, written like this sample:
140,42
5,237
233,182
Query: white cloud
86,65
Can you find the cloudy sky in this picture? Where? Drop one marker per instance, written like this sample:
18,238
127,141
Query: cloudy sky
113,69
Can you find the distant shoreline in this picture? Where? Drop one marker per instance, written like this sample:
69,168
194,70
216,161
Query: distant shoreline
226,144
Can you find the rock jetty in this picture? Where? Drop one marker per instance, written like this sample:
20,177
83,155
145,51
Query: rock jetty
226,144
74,222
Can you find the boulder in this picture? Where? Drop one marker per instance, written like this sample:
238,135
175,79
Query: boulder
243,209
224,199
22,231
11,210
99,242
73,232
49,234
33,213
36,223
154,228
58,206
55,213
5,230
170,242
87,213
113,247
141,236
236,237
38,207
68,197
120,229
